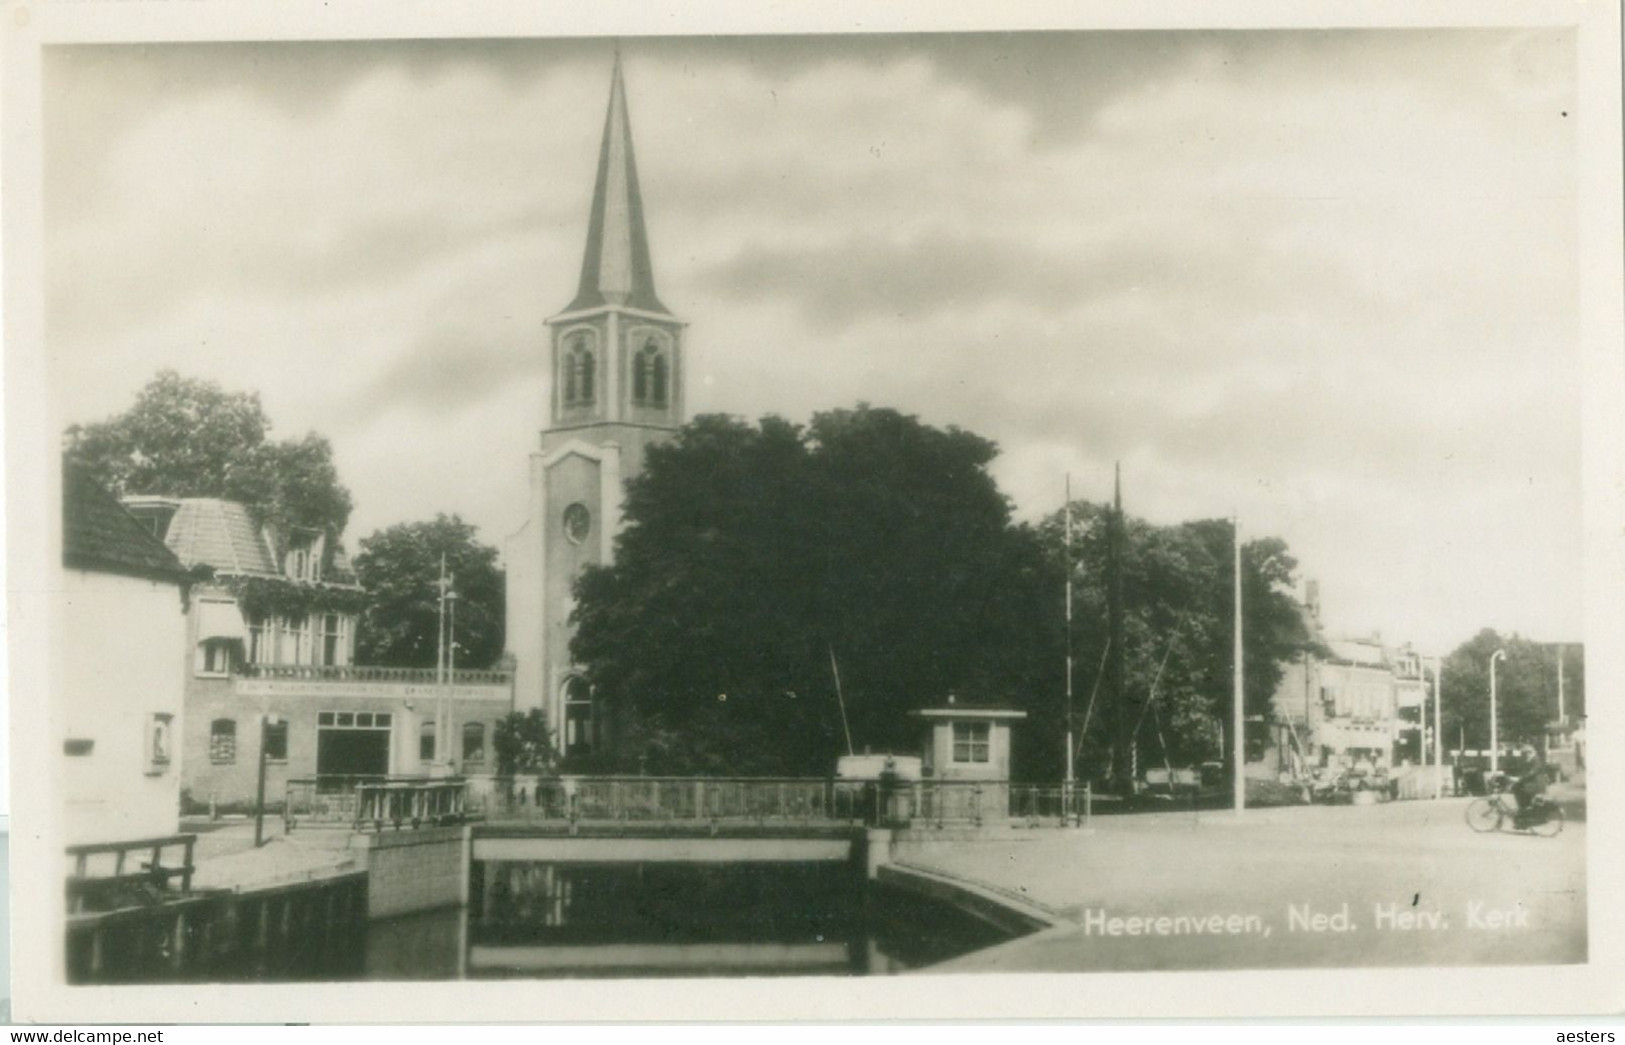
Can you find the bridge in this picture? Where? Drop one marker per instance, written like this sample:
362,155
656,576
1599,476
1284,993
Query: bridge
604,805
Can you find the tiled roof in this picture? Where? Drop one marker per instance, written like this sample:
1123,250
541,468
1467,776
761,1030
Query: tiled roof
221,534
98,534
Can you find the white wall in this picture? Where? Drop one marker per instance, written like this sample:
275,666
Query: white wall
119,655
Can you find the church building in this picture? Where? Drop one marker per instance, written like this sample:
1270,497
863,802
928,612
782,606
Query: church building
616,388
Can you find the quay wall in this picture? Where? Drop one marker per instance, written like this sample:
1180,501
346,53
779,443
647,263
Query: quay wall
410,871
298,931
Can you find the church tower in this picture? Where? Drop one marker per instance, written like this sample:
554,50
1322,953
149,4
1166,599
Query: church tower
616,355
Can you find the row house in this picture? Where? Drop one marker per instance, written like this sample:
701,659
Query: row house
272,639
1359,702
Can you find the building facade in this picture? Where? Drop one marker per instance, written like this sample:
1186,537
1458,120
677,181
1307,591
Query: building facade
270,668
118,660
617,387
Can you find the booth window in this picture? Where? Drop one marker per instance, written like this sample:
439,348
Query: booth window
971,743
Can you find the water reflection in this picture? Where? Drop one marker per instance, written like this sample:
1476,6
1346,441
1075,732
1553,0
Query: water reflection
541,920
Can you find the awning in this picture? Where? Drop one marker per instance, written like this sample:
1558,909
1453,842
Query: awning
220,620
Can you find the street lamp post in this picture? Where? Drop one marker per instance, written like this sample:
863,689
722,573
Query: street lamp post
1438,733
1495,735
266,722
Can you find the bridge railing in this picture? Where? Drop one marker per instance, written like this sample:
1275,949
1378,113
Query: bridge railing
372,802
761,799
664,799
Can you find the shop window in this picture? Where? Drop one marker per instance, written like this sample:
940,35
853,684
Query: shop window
473,742
223,741
972,742
276,741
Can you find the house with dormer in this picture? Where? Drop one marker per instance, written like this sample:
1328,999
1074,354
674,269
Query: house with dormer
271,666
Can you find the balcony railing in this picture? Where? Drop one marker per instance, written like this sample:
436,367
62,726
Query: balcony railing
364,673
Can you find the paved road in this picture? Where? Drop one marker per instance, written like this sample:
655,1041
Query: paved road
1391,885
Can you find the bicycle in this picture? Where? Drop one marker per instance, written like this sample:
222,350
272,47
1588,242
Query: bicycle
1492,811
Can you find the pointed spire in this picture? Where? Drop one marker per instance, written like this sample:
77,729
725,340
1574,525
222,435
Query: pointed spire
616,269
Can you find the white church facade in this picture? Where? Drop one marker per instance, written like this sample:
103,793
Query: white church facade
616,388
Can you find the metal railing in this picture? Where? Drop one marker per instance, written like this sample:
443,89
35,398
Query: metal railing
364,673
649,799
363,802
418,803
765,800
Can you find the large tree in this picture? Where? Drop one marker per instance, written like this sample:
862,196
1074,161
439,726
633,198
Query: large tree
1178,640
760,560
400,569
185,437
1525,684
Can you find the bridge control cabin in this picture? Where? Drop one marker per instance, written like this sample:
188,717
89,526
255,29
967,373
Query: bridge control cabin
966,748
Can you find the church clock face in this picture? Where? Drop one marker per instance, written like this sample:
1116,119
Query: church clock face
577,522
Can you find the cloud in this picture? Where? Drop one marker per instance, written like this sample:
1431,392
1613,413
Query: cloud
1323,279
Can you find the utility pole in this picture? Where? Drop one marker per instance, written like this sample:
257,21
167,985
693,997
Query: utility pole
1438,733
440,664
1562,718
1239,713
266,722
1495,728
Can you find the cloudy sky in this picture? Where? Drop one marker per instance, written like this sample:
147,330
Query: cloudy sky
1325,280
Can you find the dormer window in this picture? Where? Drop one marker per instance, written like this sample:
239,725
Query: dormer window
304,560
650,376
578,371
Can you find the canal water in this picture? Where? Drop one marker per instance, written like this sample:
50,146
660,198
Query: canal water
543,920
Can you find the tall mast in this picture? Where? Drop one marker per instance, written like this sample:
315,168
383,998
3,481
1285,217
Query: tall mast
1238,698
1071,776
1122,713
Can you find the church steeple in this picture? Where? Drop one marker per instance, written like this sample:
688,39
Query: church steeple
616,268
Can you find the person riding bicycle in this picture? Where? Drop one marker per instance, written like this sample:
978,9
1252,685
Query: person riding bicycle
1529,788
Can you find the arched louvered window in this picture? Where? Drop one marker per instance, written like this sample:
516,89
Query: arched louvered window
650,375
579,370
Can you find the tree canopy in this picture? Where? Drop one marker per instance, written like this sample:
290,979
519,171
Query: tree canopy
758,560
1178,636
1526,690
400,569
185,437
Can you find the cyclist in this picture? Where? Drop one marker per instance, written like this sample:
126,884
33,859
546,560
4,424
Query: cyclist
1529,789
